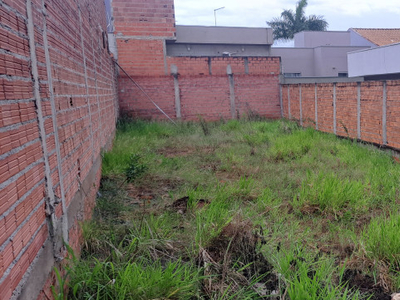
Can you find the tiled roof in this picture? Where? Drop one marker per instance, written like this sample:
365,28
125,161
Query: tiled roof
380,36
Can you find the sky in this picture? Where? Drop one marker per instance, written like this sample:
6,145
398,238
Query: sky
340,14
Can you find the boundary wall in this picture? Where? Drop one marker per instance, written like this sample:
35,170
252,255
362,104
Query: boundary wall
212,88
354,108
185,87
58,109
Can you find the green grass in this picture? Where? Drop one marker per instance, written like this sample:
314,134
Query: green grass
267,209
382,241
141,279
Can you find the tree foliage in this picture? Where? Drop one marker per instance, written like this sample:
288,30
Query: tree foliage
291,22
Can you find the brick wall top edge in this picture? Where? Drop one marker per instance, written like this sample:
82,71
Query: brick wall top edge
223,58
123,76
134,77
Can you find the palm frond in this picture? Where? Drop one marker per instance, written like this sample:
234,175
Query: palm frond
290,22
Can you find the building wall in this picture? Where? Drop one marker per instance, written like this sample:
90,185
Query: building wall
296,60
377,61
325,61
330,61
368,110
58,109
358,40
312,39
223,35
205,50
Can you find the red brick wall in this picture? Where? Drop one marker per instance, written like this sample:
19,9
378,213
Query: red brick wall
372,125
204,94
137,104
294,101
308,104
258,94
325,107
346,109
393,113
144,18
371,108
142,30
141,57
83,106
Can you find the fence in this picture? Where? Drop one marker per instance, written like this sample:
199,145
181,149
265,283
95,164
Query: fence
365,110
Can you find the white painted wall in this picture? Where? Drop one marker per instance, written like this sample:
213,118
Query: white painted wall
376,61
312,39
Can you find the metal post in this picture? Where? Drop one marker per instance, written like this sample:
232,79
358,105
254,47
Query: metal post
215,14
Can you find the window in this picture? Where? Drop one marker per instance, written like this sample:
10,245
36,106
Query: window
342,74
292,74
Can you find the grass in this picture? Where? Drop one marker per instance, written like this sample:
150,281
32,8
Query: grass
240,210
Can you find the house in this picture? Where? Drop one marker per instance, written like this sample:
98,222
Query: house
220,41
376,37
324,53
381,61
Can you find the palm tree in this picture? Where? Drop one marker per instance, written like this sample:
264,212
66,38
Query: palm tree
291,22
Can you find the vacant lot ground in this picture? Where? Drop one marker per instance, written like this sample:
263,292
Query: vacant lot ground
241,210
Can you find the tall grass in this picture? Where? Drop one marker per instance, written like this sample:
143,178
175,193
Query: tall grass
331,193
292,186
141,279
382,241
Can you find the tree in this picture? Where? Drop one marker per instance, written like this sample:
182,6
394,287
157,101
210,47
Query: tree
291,22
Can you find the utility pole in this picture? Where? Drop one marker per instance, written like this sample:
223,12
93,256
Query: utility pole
215,14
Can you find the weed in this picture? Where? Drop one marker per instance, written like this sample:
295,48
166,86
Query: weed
135,168
205,126
59,292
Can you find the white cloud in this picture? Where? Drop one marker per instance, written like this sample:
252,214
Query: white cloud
340,14
354,7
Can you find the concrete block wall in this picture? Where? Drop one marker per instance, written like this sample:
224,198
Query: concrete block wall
58,109
185,87
368,111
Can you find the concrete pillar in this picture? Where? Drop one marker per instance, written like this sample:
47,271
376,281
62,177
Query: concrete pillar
281,100
359,110
288,97
246,65
300,104
165,57
50,201
231,91
316,106
334,108
174,72
64,218
384,112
